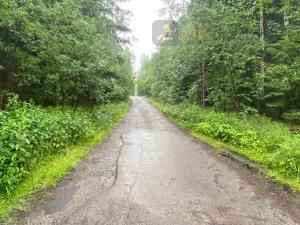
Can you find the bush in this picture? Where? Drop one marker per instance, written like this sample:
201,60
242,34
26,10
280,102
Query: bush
28,134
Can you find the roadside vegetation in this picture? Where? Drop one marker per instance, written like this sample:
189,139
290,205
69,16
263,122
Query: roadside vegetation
65,78
41,145
239,61
258,138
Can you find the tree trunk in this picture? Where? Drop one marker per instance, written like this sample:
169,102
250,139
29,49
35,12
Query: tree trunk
262,37
286,13
62,92
1,102
199,97
203,84
263,63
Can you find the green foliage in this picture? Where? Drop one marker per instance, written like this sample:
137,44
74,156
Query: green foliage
54,167
270,143
28,134
292,117
64,52
222,60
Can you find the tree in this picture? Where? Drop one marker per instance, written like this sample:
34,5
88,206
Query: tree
233,55
64,52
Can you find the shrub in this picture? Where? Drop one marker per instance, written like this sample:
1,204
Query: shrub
28,134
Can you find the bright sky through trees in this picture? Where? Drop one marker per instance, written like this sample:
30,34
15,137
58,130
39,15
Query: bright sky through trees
144,12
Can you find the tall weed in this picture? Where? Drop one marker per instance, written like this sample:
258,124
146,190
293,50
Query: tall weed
29,133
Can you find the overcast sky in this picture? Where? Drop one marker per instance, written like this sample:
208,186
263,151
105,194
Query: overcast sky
145,12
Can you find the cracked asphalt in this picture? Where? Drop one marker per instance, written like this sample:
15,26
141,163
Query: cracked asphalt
149,171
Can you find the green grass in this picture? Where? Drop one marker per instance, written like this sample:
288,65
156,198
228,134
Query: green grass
270,144
53,169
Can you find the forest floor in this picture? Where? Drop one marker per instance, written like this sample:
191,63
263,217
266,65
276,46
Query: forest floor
150,171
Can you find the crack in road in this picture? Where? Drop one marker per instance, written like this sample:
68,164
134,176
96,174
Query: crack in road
117,160
135,180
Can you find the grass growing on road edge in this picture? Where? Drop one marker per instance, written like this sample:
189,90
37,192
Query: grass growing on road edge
269,143
55,167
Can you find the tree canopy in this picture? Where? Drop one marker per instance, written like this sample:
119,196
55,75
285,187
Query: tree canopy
233,55
64,51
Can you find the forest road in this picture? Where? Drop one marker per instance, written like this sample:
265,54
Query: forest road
150,171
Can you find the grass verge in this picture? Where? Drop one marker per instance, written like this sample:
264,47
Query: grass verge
270,144
53,169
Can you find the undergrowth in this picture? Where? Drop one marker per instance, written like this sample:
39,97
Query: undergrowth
38,146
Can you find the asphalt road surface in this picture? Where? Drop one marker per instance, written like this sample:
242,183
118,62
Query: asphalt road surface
149,171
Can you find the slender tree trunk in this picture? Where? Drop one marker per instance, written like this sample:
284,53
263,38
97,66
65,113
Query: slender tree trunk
62,92
262,36
286,13
224,84
1,102
203,83
76,100
76,104
263,63
199,85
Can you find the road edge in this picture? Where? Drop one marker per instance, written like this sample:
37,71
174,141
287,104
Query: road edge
224,151
23,204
